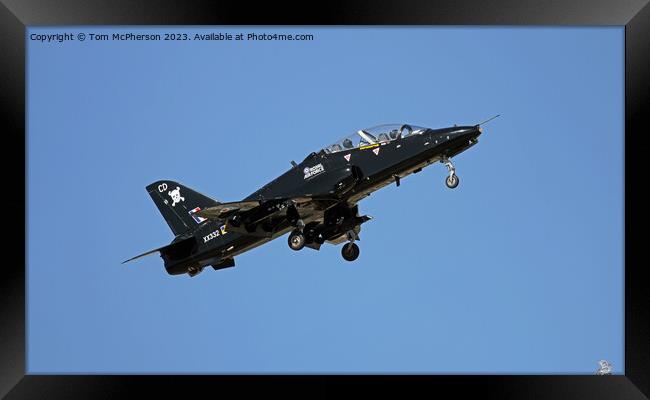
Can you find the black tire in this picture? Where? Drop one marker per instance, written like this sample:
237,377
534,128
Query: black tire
296,240
452,181
350,251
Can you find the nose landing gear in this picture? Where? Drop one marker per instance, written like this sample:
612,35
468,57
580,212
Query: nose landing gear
452,180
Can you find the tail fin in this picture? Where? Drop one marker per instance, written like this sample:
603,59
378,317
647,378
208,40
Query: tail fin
178,203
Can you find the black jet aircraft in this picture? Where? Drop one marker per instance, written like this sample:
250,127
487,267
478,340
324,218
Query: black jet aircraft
316,201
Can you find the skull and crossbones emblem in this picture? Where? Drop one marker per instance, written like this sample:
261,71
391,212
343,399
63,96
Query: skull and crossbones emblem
176,196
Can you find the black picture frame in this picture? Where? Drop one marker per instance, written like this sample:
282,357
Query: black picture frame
17,15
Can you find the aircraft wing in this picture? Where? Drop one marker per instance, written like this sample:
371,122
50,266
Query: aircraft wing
225,209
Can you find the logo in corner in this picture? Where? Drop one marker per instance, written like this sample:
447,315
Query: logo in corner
195,217
176,196
604,368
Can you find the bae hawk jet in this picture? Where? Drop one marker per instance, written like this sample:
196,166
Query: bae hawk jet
315,201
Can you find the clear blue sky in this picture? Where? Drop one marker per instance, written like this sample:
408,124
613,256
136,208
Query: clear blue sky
518,270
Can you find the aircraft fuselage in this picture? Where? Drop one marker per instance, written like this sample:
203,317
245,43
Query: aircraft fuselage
332,183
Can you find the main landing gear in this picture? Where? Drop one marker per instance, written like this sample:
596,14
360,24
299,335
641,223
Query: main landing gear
297,237
452,180
350,250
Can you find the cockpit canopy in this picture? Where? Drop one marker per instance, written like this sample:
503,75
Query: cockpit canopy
376,134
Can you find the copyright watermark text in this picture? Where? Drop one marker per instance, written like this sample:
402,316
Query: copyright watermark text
172,37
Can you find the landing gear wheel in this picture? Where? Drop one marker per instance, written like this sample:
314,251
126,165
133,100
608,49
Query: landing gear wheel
296,240
452,181
350,251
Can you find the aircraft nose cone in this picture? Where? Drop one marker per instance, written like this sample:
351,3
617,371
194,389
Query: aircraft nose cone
474,132
468,132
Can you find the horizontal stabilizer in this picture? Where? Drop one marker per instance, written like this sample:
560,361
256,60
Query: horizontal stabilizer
163,249
143,254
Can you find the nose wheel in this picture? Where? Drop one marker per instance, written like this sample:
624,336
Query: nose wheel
452,180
